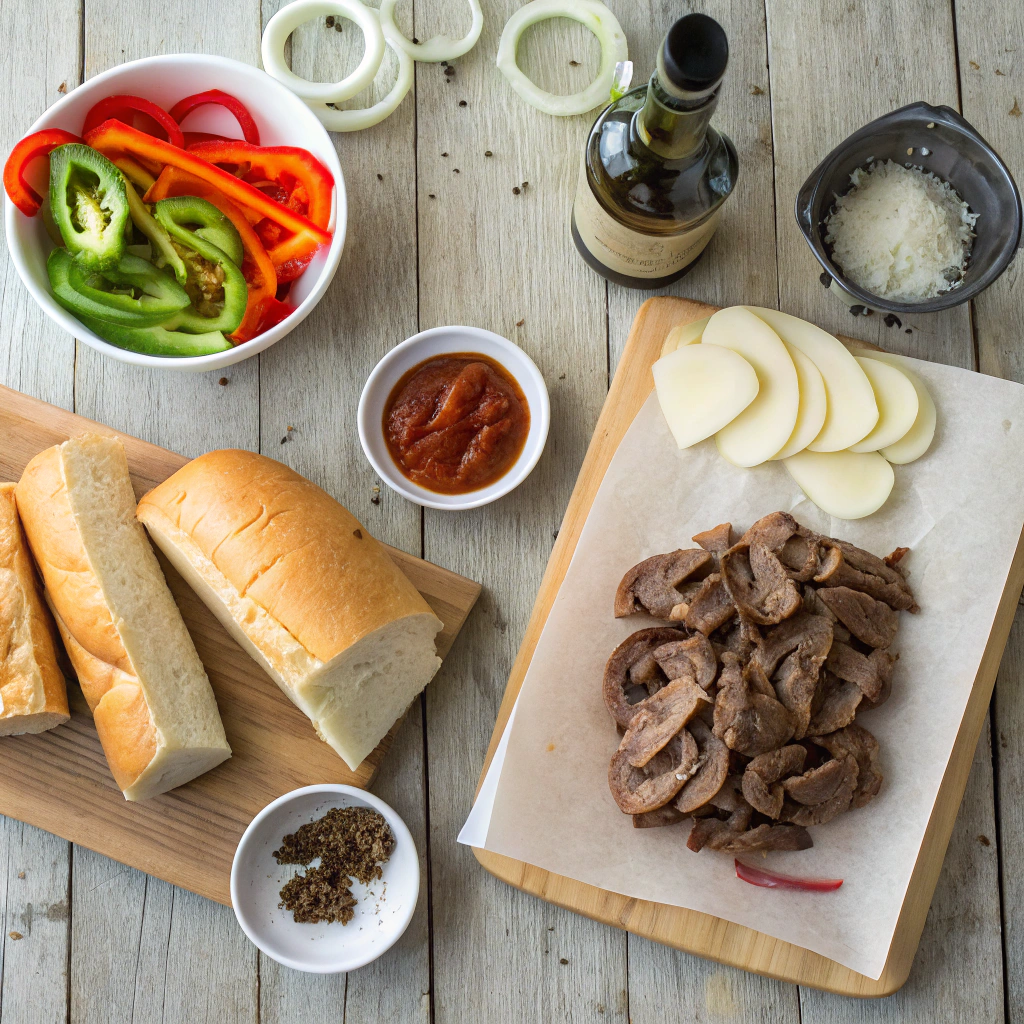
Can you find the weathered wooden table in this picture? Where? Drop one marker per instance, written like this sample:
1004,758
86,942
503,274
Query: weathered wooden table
437,236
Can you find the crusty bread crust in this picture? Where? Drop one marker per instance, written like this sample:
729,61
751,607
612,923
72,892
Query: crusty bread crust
157,720
33,696
278,538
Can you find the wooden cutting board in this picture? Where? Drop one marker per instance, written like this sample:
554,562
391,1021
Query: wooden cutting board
689,930
59,780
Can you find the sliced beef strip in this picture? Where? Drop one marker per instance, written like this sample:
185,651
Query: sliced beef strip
667,815
746,720
631,674
730,797
838,705
858,743
896,556
845,565
873,622
797,547
711,607
668,711
761,786
638,790
759,584
652,584
836,778
815,606
801,643
737,639
871,673
711,775
733,835
717,541
692,658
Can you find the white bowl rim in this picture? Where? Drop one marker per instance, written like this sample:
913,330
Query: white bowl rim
540,421
402,835
216,360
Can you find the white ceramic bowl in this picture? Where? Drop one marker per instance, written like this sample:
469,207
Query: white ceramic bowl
256,880
283,120
437,342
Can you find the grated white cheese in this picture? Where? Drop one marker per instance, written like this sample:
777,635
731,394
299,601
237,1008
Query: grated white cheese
901,232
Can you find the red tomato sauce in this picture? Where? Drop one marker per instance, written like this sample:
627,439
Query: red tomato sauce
456,423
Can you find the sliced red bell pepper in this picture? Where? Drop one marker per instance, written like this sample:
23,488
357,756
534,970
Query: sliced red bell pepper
257,267
274,311
772,880
122,108
184,107
305,181
113,138
32,147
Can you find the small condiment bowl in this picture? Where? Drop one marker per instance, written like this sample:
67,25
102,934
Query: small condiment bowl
257,878
941,141
441,341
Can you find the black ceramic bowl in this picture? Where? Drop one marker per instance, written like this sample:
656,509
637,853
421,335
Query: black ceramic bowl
944,143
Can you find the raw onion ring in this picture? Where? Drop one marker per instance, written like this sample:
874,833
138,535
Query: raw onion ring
289,18
367,117
436,48
592,15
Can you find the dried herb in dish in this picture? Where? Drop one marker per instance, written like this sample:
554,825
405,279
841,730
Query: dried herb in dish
351,843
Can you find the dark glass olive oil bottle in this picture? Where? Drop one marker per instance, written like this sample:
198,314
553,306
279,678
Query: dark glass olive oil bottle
655,173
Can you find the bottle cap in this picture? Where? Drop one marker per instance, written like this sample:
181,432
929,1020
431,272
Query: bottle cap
694,56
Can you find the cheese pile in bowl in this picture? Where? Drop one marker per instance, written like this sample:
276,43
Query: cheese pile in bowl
772,387
901,233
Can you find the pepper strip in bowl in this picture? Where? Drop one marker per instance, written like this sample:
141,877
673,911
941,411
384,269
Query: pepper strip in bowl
185,106
32,147
123,109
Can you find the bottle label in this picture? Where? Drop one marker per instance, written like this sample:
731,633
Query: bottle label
630,252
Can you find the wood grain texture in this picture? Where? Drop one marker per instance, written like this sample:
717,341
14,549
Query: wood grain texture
686,929
835,66
186,836
491,258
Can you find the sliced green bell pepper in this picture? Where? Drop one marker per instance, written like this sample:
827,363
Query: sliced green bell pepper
215,283
133,294
157,234
158,341
89,204
201,217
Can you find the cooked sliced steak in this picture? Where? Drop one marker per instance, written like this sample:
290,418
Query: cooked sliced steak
693,658
870,621
834,782
845,565
652,584
872,673
758,584
638,790
837,707
746,720
666,713
761,786
711,607
858,743
631,674
717,541
667,815
712,773
730,837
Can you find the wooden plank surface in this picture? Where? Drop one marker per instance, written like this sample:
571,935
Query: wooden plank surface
479,257
59,780
685,929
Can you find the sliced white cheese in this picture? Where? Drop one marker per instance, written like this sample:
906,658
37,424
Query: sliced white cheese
684,334
701,388
813,405
897,405
764,427
847,485
917,440
852,411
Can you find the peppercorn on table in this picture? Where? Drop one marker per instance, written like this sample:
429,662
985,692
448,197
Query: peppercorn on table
459,214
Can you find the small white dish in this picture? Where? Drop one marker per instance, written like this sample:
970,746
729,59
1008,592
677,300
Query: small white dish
283,120
257,878
441,341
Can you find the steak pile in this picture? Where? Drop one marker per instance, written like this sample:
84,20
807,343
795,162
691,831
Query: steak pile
741,712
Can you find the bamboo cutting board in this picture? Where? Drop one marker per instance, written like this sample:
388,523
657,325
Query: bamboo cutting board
694,932
59,780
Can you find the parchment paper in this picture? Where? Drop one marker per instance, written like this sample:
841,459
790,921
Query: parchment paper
960,510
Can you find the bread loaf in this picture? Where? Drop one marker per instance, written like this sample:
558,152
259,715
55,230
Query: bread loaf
155,712
304,589
33,697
